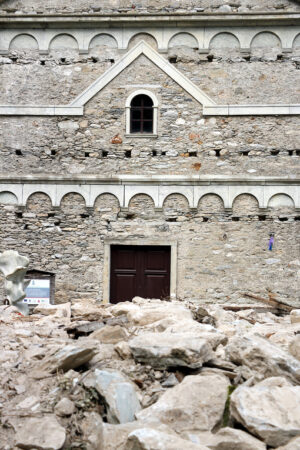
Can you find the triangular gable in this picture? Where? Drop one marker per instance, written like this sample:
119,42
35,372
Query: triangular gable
142,48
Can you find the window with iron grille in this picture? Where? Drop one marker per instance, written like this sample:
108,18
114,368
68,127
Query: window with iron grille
141,114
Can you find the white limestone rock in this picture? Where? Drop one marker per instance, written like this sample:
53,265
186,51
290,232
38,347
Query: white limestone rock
167,349
269,410
149,439
142,312
68,357
197,403
226,439
294,444
294,347
63,310
43,434
118,393
92,429
295,316
263,357
65,407
110,334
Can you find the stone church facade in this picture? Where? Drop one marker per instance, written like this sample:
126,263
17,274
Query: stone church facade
152,148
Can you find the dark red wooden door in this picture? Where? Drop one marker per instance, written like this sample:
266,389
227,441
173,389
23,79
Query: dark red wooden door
139,270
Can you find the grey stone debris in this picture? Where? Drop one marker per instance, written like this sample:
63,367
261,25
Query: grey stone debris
43,434
14,267
118,393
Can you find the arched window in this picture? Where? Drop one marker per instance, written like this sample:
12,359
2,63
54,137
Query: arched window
141,114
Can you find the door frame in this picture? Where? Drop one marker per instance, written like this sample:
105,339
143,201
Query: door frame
141,242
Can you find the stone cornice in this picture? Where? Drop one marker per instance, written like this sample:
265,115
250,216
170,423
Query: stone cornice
201,19
148,180
124,187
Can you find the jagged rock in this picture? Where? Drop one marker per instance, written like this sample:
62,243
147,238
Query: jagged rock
148,439
115,436
110,334
167,349
89,310
294,444
269,410
42,434
226,439
295,316
68,357
171,381
151,311
197,403
65,407
204,331
294,347
92,429
63,310
123,350
263,357
118,392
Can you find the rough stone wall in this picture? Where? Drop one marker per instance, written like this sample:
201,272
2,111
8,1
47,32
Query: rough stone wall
143,6
187,143
221,255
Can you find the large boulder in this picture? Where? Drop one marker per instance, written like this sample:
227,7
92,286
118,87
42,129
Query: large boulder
118,393
42,434
167,349
143,312
269,410
150,439
263,357
226,439
204,331
68,357
197,403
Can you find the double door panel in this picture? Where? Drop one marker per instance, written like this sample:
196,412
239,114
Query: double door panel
139,271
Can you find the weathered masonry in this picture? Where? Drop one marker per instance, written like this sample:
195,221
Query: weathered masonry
151,149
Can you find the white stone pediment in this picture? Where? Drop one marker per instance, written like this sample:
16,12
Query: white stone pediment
142,48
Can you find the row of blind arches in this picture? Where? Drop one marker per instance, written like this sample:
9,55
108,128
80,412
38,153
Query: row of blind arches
221,40
208,203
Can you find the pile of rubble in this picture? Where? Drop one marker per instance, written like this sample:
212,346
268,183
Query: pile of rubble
149,374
